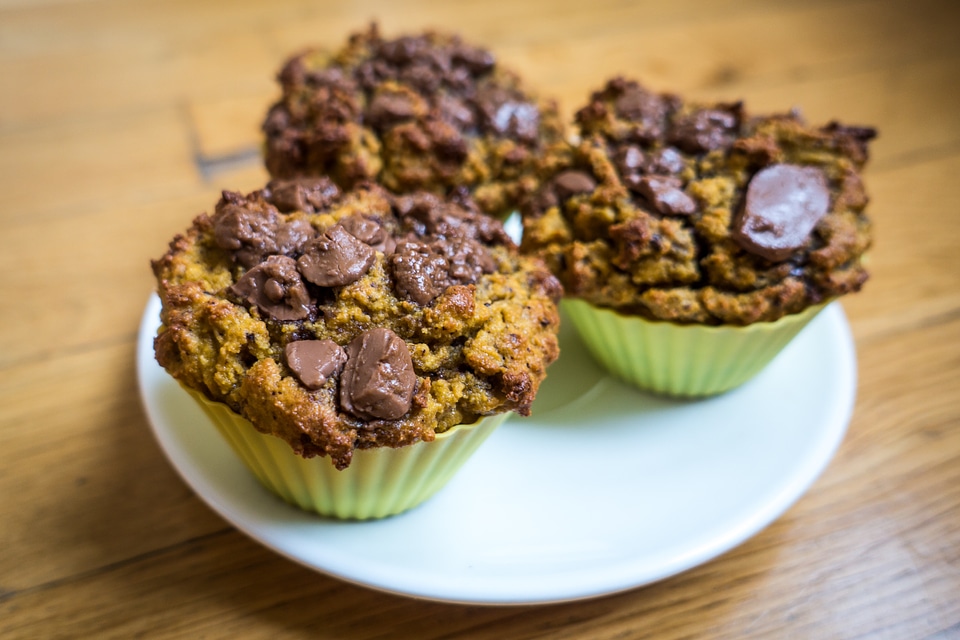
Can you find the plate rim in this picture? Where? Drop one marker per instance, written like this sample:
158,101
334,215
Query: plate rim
830,437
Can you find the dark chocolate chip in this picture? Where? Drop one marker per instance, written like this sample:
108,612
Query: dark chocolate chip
336,258
666,195
783,204
275,287
378,379
314,361
570,183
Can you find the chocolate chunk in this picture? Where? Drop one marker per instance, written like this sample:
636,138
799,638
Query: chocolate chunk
274,286
706,130
518,119
378,380
477,60
646,110
666,195
387,109
420,273
369,232
570,183
665,161
630,159
783,204
466,259
292,235
310,195
426,214
314,361
403,50
456,112
336,258
248,233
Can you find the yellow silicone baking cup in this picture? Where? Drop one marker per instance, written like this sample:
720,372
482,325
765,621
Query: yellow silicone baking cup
682,360
378,483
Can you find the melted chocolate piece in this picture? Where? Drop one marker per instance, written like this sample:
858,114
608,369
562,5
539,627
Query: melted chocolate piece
646,110
571,183
783,204
314,361
422,271
248,234
706,130
335,259
665,161
292,235
369,232
310,195
426,214
387,109
477,61
378,380
666,195
274,286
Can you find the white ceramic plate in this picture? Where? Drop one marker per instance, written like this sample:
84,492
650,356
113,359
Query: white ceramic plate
603,489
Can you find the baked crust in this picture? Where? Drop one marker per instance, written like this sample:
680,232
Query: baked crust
627,242
478,348
425,112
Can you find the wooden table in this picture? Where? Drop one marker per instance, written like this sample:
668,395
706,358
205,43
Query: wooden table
120,121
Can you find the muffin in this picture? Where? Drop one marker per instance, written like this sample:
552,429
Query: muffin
694,240
425,112
354,347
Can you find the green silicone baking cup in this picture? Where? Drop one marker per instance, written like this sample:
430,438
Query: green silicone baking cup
378,483
682,360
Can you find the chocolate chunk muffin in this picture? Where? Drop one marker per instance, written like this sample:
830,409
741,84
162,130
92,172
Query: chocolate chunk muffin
425,112
342,322
702,215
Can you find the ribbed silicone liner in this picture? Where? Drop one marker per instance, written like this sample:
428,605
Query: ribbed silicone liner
378,483
682,360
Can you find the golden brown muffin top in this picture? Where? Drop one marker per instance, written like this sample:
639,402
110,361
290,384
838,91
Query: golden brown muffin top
698,213
339,321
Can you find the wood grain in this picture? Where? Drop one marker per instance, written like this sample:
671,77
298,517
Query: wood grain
121,121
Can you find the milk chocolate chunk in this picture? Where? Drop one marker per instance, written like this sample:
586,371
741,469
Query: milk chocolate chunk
378,380
665,161
419,272
666,195
783,204
571,183
336,258
314,361
646,110
369,232
303,194
387,109
292,235
705,130
248,234
274,286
